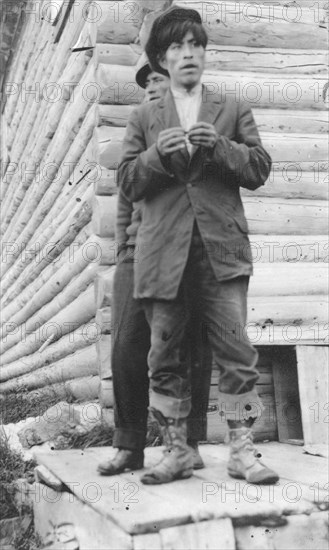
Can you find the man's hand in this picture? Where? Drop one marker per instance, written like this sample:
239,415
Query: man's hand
203,134
170,141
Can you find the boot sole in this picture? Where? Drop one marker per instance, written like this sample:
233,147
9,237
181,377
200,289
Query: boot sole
265,481
114,472
153,481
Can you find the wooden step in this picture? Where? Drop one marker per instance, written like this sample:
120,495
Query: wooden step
120,512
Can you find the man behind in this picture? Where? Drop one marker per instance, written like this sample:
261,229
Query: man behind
187,157
131,337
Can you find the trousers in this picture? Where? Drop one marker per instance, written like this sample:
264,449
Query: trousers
130,347
222,308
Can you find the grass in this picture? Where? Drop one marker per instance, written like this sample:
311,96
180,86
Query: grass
20,405
12,467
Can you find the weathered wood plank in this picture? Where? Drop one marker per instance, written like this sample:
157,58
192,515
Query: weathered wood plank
146,542
93,530
201,535
125,503
312,365
295,489
299,532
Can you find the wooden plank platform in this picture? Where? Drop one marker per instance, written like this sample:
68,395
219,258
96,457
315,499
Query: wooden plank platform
192,513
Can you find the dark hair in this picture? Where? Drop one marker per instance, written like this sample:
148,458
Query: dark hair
176,31
171,31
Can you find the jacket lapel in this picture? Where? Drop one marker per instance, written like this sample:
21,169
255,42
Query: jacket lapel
211,107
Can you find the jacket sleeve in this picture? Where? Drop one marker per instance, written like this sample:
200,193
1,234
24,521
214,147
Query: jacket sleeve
244,158
141,170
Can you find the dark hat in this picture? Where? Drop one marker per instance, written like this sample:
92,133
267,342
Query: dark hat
171,15
143,69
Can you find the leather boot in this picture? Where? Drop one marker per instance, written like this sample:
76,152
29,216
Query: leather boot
244,460
124,459
198,463
177,462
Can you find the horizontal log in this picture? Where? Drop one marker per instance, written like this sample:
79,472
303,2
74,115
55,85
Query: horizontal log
289,181
80,389
106,183
108,417
268,60
261,25
297,148
103,320
291,310
232,58
118,54
77,313
120,22
83,336
117,85
77,365
104,216
267,120
279,217
103,288
308,151
106,393
291,121
290,249
294,320
103,348
288,279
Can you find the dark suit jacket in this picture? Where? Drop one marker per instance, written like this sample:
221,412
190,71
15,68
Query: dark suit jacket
178,191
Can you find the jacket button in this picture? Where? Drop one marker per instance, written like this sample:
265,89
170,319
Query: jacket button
189,185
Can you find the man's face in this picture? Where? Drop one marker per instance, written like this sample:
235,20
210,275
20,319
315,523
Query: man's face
156,86
184,62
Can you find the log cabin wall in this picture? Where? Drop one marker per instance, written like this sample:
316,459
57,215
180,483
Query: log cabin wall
58,228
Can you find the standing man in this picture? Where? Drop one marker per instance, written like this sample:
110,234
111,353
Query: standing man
131,337
187,156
